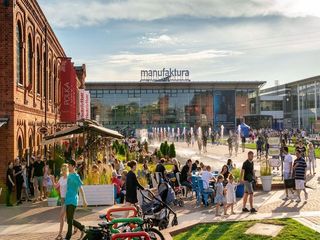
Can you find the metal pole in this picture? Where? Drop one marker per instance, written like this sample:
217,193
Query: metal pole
298,93
315,105
45,84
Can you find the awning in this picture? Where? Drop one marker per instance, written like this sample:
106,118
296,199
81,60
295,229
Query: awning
57,139
66,133
3,121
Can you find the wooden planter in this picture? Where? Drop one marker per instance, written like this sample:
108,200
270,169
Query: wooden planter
98,195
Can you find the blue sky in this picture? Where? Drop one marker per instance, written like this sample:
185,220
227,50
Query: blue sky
218,40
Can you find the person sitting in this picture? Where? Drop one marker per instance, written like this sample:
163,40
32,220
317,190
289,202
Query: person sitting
161,169
195,165
186,174
207,177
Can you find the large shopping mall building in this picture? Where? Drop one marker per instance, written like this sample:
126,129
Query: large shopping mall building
172,102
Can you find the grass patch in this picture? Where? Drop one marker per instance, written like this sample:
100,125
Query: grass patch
292,230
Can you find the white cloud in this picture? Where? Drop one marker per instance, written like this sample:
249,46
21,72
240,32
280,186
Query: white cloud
74,13
160,58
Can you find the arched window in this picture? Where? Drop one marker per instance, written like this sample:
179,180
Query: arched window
29,61
38,71
19,64
49,81
54,83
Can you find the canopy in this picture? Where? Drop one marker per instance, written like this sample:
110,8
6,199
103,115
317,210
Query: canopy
68,132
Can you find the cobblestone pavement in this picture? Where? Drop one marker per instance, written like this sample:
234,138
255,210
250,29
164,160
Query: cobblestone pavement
35,221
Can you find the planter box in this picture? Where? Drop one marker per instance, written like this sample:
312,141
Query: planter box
98,195
266,183
52,202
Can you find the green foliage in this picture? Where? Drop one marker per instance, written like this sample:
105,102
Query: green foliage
121,150
54,193
115,146
172,151
265,171
164,148
236,174
159,154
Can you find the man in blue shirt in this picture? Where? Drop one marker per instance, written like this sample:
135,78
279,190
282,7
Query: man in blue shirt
74,184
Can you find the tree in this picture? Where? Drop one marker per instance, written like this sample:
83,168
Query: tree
172,151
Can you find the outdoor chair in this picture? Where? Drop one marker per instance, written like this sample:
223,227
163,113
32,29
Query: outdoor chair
184,188
195,187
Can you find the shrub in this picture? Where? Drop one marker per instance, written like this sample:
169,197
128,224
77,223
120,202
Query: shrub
172,151
236,174
54,193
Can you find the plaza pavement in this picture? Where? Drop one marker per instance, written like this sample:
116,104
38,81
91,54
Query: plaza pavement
36,221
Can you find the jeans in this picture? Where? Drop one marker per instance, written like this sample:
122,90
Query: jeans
19,184
8,195
70,209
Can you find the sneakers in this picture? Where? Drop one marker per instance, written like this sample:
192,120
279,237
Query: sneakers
253,210
285,199
245,210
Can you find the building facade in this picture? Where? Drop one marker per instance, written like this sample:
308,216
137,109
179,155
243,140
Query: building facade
30,92
293,105
171,103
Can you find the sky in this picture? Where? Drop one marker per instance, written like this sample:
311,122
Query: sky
216,40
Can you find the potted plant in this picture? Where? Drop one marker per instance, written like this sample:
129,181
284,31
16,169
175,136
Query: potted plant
240,187
53,198
265,175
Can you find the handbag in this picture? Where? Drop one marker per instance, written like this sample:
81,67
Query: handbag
290,183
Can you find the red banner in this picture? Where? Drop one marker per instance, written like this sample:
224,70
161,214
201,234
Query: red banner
67,75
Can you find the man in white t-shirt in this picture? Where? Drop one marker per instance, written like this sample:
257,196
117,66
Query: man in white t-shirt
206,176
287,168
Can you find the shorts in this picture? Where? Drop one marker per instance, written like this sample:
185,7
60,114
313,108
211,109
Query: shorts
300,184
287,175
208,190
38,180
248,188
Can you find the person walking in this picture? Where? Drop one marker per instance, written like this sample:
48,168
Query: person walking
312,158
37,176
62,186
243,142
247,178
299,168
74,185
132,184
10,184
17,173
287,169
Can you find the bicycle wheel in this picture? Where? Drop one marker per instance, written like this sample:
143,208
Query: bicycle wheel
155,234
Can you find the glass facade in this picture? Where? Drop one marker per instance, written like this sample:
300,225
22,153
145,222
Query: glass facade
168,107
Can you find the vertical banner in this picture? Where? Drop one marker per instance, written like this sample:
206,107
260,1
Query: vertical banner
84,104
87,105
81,104
67,75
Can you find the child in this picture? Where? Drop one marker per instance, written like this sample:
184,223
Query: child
219,198
48,181
231,193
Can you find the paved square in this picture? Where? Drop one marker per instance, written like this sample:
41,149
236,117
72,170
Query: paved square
271,230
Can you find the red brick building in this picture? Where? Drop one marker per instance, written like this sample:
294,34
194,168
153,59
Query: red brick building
30,53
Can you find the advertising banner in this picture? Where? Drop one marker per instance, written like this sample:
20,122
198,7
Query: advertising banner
67,75
84,104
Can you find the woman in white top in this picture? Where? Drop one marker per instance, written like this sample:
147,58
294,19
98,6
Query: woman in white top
62,185
312,158
231,193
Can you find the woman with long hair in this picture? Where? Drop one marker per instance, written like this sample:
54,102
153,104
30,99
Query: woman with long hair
62,185
132,184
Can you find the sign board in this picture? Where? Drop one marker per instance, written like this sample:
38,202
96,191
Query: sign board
275,162
165,75
274,141
43,130
84,104
67,75
274,151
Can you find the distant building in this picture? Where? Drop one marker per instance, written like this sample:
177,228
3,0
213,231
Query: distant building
293,105
172,103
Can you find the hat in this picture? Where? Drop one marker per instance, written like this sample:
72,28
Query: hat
72,162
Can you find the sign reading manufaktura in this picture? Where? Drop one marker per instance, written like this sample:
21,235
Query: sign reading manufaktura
165,74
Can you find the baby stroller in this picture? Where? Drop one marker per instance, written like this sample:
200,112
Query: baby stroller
168,195
154,208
